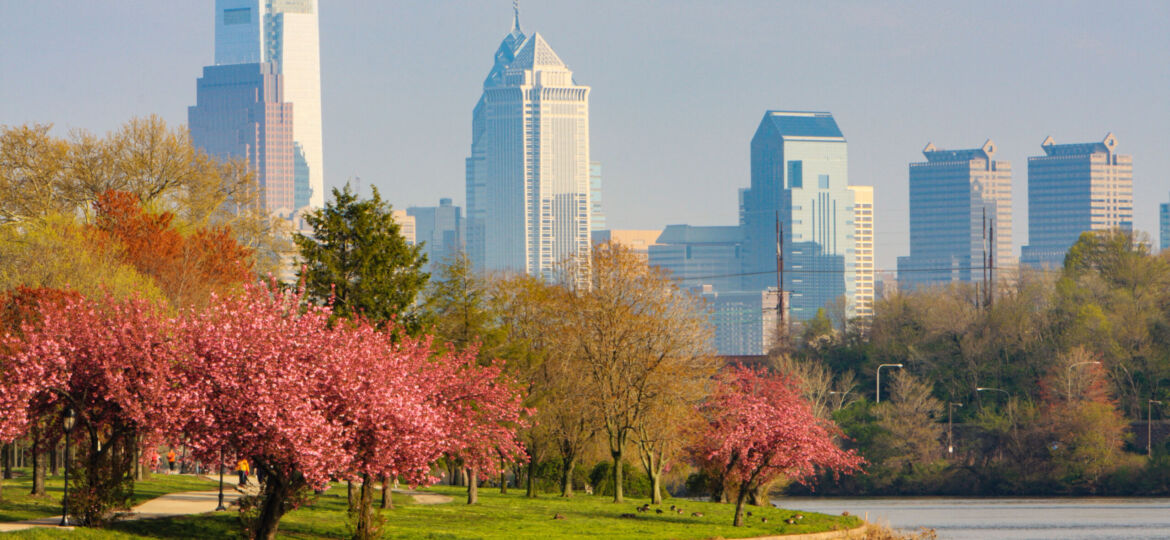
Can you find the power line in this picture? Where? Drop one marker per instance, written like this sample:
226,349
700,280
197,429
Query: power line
802,271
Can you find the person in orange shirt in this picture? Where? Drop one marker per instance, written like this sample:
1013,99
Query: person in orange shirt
243,469
171,460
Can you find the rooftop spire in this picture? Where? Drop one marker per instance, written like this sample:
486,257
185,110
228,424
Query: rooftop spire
516,17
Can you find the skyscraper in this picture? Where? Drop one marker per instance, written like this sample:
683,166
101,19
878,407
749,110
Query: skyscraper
528,174
240,113
440,229
863,265
959,199
1072,189
597,220
284,32
800,179
1163,226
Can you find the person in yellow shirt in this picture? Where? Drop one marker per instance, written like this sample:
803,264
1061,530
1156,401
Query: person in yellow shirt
243,469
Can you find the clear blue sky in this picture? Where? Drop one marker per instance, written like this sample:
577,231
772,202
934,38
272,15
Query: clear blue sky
678,86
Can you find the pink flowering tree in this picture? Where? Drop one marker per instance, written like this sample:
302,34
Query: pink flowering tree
760,428
113,363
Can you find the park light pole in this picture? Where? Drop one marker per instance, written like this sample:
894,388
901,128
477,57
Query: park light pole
1070,368
879,378
68,421
950,435
1150,426
221,506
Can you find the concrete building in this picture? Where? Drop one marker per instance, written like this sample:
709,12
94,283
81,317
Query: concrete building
958,200
528,176
240,113
800,178
597,221
698,256
638,240
1074,188
745,321
863,266
440,229
284,32
406,225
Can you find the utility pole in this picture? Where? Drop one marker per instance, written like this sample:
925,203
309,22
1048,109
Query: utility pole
780,311
983,259
991,263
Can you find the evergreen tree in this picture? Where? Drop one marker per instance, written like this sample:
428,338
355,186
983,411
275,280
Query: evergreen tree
358,256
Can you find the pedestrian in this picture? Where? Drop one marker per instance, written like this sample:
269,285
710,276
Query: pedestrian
171,460
242,468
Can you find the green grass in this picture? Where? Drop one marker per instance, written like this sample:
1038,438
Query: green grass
496,517
18,505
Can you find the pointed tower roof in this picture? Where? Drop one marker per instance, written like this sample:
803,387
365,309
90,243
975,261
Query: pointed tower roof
535,53
507,51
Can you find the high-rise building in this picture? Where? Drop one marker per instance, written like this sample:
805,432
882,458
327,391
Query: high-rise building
240,113
637,240
698,256
596,211
284,32
960,216
528,174
800,180
1163,226
745,322
1072,189
863,266
406,225
440,229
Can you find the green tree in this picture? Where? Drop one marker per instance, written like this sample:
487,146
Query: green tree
357,257
460,305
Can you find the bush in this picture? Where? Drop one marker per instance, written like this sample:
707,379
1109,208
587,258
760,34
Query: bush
635,483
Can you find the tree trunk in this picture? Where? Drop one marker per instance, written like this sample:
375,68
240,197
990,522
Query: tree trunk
54,458
567,476
366,528
38,459
276,492
349,493
530,480
617,476
463,477
743,491
759,496
454,472
472,487
656,488
7,457
503,478
387,495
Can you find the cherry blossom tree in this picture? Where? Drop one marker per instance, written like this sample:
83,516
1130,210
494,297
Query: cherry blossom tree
759,428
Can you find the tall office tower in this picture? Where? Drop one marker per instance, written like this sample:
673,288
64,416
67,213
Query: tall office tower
698,256
240,113
1163,226
745,322
800,178
863,266
960,202
528,174
1072,189
284,32
440,229
596,211
406,225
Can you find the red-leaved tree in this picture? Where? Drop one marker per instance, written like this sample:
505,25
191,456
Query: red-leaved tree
760,428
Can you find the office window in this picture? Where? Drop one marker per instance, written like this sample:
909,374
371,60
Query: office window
237,16
823,181
795,174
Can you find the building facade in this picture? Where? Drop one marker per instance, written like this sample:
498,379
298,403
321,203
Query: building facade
960,217
745,321
863,261
698,256
1163,226
440,229
406,226
597,221
285,33
528,176
637,240
240,113
1074,188
799,168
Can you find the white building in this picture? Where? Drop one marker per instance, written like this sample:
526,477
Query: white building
528,187
863,269
284,32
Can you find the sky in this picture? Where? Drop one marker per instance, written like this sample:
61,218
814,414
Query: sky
678,87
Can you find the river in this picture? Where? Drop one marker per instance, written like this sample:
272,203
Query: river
1008,519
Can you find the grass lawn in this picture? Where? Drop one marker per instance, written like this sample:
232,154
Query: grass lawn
502,517
18,505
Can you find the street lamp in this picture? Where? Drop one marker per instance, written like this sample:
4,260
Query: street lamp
1150,426
221,506
985,389
69,420
1070,375
950,435
879,379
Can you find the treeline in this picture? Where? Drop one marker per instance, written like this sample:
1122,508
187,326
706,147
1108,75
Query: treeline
1033,392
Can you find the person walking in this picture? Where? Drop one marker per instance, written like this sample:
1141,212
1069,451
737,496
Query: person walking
171,460
243,469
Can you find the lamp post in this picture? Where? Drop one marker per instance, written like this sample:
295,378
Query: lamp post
221,506
1150,426
1070,368
69,420
879,379
986,389
950,434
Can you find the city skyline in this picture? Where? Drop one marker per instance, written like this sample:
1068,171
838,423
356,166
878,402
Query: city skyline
876,68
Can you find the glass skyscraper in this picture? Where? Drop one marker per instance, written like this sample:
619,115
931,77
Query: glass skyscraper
957,198
528,175
440,229
284,32
800,178
1072,189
